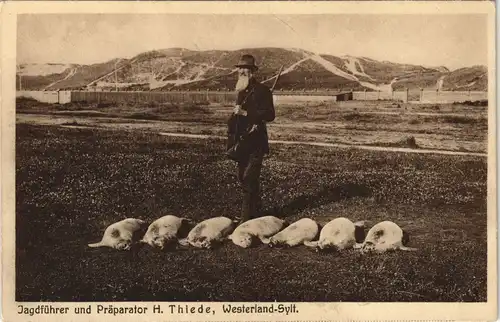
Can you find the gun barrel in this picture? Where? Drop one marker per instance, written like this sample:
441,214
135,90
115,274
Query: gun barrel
277,77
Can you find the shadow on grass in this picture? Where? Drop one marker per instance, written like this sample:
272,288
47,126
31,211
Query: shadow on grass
324,196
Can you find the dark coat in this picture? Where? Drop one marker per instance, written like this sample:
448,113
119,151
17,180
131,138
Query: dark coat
260,110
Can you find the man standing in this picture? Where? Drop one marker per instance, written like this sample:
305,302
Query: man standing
254,107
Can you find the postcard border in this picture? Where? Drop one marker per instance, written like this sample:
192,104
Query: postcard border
320,311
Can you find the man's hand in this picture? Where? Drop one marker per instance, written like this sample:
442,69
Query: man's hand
254,128
239,111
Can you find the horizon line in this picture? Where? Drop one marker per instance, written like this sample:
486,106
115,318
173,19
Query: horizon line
254,48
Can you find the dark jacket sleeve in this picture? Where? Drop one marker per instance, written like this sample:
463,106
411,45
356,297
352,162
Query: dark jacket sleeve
264,111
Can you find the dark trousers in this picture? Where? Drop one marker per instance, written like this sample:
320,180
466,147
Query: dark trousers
249,177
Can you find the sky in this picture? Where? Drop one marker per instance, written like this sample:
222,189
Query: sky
453,41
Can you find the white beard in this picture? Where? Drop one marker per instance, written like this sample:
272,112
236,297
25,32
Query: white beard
242,83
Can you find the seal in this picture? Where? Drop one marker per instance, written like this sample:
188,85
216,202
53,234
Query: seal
385,236
303,230
247,234
339,234
209,232
121,234
163,232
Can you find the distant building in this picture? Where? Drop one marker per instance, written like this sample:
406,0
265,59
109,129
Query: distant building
343,96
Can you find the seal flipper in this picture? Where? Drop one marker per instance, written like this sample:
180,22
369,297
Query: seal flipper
407,248
265,240
358,246
99,244
360,223
183,242
311,243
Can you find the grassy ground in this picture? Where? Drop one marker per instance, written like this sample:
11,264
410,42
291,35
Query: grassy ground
72,183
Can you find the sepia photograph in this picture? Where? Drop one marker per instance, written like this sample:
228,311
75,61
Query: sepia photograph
279,157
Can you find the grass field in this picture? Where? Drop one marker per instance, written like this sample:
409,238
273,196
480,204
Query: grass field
72,183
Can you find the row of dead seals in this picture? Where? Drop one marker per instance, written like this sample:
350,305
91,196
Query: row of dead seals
338,234
122,234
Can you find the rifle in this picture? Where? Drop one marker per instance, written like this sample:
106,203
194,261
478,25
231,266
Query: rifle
234,150
277,77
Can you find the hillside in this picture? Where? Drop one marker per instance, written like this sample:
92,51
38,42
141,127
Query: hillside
183,69
474,78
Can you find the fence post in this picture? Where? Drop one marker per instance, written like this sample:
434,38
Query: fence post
365,94
421,95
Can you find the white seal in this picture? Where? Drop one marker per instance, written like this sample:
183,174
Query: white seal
384,236
259,228
209,232
339,234
303,230
120,235
164,231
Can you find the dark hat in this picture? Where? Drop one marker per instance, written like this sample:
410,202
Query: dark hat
247,61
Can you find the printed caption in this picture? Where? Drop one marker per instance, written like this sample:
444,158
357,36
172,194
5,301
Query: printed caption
47,309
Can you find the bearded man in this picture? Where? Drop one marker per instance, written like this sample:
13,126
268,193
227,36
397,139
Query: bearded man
254,108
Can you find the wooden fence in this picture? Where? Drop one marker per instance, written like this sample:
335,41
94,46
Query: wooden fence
154,97
375,96
61,97
451,97
228,98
